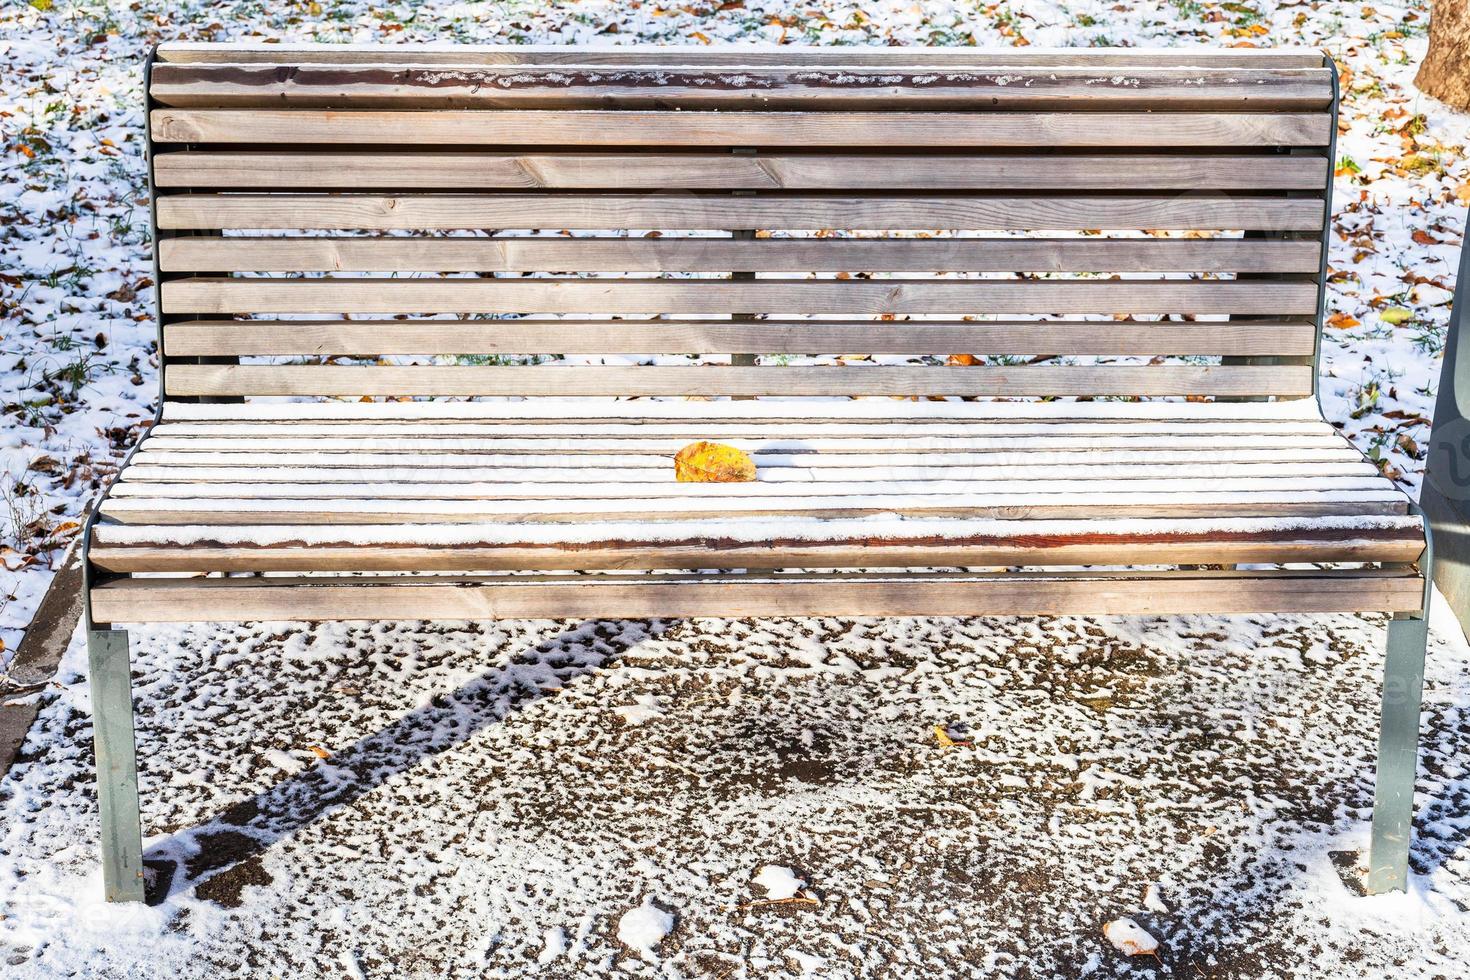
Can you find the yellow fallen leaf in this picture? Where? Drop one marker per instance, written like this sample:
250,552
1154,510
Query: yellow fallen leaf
1395,315
1462,193
320,752
945,742
710,462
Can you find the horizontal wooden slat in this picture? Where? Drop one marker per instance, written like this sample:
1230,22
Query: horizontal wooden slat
402,255
347,465
245,52
629,597
328,451
717,296
721,212
728,544
145,478
1009,506
427,486
1021,429
1145,416
380,169
243,338
409,86
992,381
632,127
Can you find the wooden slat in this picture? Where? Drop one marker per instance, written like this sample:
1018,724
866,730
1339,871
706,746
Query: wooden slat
1085,506
722,212
1144,415
244,338
1021,430
115,549
409,86
630,597
631,127
720,296
823,450
355,465
245,52
390,170
403,255
229,379
149,478
661,485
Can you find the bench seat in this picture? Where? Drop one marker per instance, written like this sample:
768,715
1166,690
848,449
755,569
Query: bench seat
571,485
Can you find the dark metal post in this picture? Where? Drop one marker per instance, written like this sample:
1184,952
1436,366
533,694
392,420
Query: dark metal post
1445,495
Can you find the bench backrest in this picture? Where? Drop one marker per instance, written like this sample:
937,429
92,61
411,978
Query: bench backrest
779,201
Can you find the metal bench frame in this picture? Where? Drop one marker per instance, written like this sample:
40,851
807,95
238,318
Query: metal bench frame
113,709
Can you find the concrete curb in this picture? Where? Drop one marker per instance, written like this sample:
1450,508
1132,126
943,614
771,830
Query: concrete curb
38,654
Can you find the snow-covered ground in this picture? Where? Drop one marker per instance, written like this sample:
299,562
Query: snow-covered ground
747,799
405,800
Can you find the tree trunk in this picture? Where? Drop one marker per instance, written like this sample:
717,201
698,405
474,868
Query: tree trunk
1445,73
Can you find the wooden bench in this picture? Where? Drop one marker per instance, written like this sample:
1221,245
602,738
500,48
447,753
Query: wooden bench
1155,342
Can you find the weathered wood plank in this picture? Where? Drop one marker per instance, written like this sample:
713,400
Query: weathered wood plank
1079,506
632,127
992,381
1021,429
722,296
409,86
175,475
247,52
600,212
483,450
214,600
556,490
403,255
877,410
383,169
258,337
117,550
347,467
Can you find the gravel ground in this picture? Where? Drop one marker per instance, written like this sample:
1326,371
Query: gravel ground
489,800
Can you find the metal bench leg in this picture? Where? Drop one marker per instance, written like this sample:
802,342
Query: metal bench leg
1398,753
117,766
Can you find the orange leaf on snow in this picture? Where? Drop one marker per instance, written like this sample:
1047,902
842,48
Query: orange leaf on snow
1422,237
1343,321
710,462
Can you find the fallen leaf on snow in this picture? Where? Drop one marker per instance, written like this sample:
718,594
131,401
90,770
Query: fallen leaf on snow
942,736
710,462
